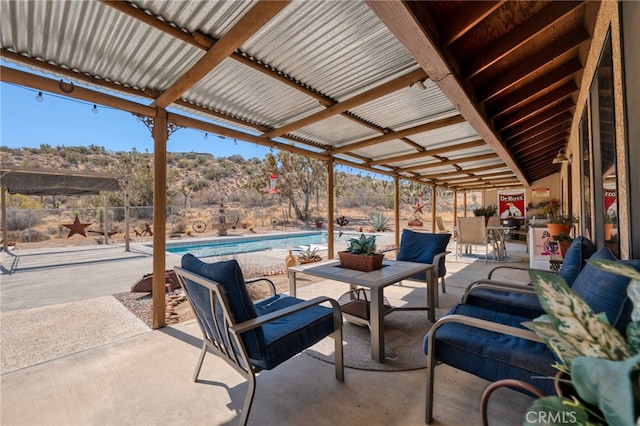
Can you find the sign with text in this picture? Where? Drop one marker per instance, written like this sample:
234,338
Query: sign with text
511,204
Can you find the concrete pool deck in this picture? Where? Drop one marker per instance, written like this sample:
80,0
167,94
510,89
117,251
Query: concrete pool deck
118,371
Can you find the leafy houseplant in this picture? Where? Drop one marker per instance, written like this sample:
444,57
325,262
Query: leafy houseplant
361,254
561,223
604,368
486,211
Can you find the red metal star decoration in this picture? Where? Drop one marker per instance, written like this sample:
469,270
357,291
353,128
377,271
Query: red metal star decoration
417,208
77,228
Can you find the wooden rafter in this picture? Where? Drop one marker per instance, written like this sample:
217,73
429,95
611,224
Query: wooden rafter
246,26
537,124
521,35
402,22
541,85
545,59
537,106
444,122
428,152
451,162
473,14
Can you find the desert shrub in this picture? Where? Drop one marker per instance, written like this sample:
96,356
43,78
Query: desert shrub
18,219
32,236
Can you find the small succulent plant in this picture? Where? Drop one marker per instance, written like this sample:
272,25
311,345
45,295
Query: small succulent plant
362,245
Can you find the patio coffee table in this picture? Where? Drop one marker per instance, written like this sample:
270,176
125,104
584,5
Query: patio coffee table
392,271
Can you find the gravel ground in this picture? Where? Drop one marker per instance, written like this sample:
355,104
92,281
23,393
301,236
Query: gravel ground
140,304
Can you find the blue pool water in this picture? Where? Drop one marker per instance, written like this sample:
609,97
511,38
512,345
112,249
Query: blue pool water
246,244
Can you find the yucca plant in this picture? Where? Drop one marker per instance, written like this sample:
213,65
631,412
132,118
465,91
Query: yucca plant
379,221
362,245
603,367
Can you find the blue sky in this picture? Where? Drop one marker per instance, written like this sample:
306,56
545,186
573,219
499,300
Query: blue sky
57,121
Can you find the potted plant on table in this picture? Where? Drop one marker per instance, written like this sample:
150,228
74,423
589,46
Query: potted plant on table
486,211
361,254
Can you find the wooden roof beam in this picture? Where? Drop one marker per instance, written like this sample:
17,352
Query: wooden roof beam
535,107
400,20
540,85
518,37
368,96
261,13
554,54
540,122
426,152
432,125
450,162
473,13
559,129
467,171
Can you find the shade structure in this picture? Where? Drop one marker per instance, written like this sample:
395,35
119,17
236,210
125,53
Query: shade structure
35,181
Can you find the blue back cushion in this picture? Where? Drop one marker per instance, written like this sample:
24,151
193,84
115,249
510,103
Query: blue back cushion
229,275
422,247
605,291
575,259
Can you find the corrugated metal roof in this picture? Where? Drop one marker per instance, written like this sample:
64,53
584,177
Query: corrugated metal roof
311,56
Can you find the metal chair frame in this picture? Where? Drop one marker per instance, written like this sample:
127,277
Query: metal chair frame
228,343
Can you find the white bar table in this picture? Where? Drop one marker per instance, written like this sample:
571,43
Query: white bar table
392,271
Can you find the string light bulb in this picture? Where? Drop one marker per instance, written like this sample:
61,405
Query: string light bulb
206,136
39,97
94,109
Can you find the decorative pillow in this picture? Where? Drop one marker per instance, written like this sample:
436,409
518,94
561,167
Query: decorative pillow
605,291
575,259
422,247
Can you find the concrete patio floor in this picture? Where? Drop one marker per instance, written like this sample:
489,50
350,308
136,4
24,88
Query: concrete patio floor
143,377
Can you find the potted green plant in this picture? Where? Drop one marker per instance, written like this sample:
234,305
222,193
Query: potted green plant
486,211
309,255
361,254
561,223
602,367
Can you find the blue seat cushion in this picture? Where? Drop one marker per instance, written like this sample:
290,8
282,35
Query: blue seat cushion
575,259
292,334
527,305
605,291
490,355
524,305
229,275
422,247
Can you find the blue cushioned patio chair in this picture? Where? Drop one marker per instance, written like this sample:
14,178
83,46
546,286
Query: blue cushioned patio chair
423,247
254,336
494,345
520,298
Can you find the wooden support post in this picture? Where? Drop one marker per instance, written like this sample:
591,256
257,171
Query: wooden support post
5,235
330,206
160,135
464,204
455,208
127,221
106,219
396,210
433,208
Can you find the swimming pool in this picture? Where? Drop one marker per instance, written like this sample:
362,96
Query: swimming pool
246,244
